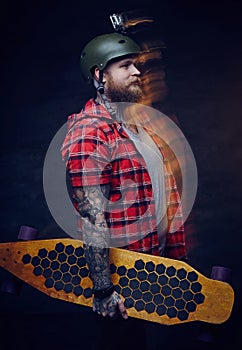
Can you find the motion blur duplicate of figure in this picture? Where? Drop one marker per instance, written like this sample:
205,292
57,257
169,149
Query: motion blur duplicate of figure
123,187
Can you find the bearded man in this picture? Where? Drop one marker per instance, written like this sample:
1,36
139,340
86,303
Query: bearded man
117,170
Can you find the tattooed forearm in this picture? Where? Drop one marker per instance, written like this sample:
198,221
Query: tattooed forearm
91,206
98,262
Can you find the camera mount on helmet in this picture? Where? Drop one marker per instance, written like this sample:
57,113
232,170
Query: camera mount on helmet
118,22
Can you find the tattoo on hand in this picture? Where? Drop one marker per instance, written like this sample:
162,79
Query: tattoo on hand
107,306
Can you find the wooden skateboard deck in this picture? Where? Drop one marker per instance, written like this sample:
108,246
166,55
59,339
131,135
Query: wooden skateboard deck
153,288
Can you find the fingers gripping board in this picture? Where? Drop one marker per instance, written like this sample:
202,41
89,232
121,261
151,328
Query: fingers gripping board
153,288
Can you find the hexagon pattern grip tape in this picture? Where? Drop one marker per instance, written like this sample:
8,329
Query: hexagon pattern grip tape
153,288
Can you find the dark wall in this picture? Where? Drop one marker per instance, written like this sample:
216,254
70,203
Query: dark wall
41,85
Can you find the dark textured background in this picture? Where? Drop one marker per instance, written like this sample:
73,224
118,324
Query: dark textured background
41,85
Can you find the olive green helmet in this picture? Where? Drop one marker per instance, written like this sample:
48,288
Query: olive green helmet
100,50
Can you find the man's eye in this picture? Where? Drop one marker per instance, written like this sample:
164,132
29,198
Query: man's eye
125,66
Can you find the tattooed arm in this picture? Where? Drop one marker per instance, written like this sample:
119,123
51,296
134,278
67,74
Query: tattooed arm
91,206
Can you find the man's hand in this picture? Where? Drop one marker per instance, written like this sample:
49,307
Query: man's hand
111,306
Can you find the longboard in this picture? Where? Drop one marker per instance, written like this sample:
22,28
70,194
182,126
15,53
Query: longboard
153,288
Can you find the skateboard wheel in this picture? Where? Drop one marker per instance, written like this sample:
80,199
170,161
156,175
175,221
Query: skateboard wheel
27,233
221,273
207,334
11,286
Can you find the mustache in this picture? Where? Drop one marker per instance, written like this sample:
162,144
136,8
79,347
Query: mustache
136,81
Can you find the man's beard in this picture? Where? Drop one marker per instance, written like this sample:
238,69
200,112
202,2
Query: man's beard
131,93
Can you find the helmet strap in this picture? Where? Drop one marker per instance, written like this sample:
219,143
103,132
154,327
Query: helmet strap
100,87
102,98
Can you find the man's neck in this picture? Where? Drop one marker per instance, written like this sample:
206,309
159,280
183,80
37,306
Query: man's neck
111,107
114,109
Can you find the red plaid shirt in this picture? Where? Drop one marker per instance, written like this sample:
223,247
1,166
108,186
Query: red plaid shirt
98,151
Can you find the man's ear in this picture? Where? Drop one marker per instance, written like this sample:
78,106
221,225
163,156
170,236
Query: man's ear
96,75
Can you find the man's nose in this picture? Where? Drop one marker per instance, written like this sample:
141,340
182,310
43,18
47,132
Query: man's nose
134,70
